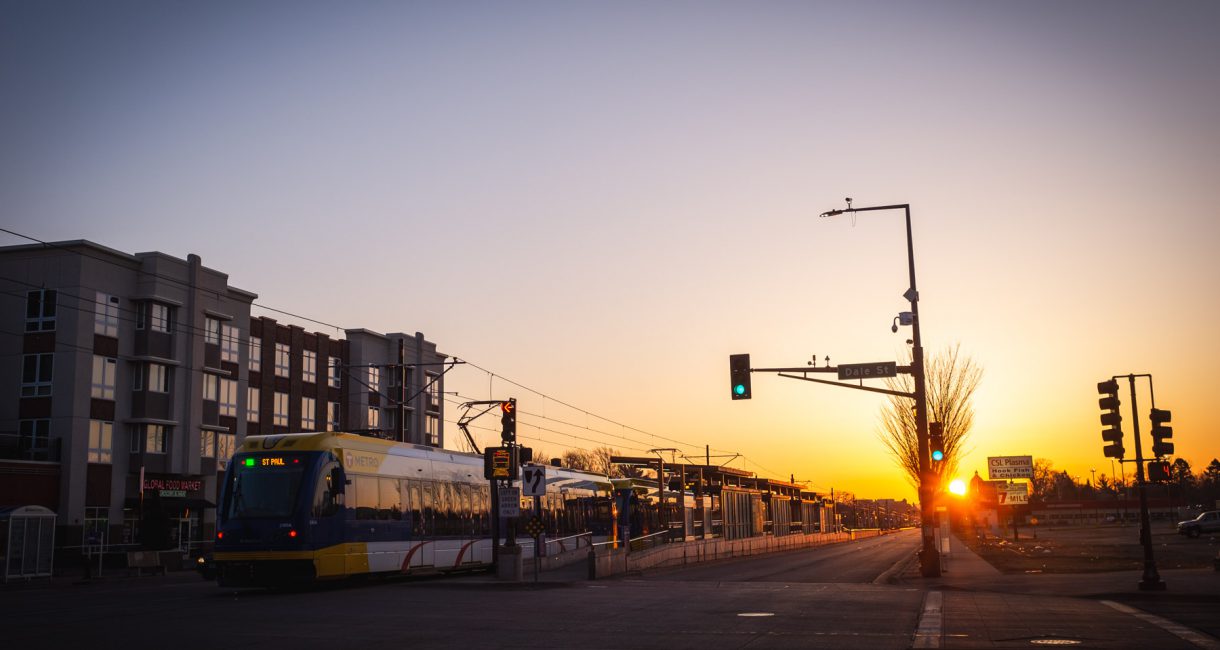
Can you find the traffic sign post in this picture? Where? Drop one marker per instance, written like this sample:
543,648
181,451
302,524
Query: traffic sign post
510,502
1009,467
533,480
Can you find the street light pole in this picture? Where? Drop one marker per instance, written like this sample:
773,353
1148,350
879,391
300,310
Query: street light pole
929,556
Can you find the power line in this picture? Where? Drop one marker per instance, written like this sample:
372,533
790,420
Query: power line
492,375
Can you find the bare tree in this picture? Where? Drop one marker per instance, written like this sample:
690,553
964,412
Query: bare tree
951,380
1043,482
597,460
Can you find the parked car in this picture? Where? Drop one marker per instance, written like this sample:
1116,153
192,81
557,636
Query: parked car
1206,522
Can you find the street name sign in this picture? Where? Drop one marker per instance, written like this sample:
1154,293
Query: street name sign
868,370
533,480
510,502
1004,467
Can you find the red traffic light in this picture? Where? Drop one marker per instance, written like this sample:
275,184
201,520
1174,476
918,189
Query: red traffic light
507,407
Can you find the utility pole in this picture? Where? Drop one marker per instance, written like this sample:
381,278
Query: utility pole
401,433
1151,580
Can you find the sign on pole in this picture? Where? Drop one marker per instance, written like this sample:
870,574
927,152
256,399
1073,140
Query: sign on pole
868,370
533,480
510,502
1013,494
1005,467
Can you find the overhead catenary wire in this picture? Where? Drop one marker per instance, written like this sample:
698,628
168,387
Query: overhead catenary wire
692,449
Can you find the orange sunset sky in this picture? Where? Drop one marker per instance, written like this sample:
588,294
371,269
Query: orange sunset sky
602,202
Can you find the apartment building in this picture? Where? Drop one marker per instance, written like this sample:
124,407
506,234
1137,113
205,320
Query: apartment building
132,379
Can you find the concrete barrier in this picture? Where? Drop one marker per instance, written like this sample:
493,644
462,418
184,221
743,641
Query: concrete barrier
610,562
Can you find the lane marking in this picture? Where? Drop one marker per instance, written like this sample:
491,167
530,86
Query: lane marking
1181,631
931,622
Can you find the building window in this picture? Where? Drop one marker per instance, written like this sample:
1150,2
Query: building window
332,416
230,342
103,377
36,374
333,371
35,438
225,443
309,366
280,414
156,438
40,310
374,417
282,356
309,407
207,443
228,397
211,387
211,331
106,315
251,404
158,378
434,391
256,354
158,318
375,379
432,433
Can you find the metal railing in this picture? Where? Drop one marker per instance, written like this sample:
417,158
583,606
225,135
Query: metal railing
568,543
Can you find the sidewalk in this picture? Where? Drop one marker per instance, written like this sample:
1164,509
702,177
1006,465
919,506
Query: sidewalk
966,570
972,605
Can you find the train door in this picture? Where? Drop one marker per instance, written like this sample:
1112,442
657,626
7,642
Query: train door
326,521
422,551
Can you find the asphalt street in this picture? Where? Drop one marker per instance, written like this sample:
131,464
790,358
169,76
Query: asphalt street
835,596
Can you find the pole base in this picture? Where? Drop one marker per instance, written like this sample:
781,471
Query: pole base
509,565
929,562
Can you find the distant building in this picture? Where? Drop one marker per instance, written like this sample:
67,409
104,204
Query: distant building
149,366
295,379
401,402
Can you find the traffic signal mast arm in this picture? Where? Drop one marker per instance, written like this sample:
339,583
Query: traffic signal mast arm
783,372
467,418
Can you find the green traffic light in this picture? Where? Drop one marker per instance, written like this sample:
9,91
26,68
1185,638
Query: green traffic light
740,389
938,455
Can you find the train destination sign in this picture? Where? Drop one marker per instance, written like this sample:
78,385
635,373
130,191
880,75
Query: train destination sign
868,370
1003,467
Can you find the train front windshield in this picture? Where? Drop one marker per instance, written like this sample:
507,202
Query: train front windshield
265,486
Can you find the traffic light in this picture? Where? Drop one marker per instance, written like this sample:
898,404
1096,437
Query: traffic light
739,375
1158,471
508,421
1161,433
1111,418
936,440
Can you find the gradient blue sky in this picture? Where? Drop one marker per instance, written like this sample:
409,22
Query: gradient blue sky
602,201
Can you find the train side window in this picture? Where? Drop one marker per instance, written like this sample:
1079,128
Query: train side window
390,503
366,497
426,503
327,498
415,501
464,512
443,521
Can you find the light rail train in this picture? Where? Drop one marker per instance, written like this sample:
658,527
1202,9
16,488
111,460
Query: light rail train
314,506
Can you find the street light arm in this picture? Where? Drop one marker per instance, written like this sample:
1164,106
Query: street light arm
835,213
